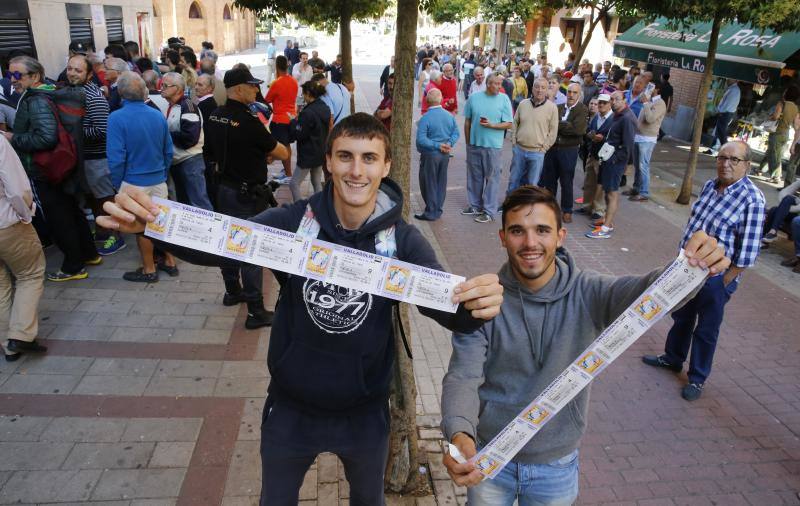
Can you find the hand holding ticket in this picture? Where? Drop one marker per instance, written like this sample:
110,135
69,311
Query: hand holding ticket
130,211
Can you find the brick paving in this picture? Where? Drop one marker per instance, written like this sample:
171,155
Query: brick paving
152,395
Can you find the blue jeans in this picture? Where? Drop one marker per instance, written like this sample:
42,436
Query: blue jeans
777,215
641,160
526,167
483,178
796,235
721,129
553,484
190,182
697,325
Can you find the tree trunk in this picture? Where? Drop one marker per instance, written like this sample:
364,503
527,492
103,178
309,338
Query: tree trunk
702,97
345,47
502,44
585,41
402,469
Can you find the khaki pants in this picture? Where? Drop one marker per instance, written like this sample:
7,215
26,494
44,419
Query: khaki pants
21,254
592,192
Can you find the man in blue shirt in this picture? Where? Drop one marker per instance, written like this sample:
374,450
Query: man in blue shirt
486,115
272,51
336,97
731,209
437,133
726,110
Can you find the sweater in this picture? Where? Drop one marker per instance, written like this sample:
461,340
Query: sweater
435,128
535,128
138,145
497,370
650,118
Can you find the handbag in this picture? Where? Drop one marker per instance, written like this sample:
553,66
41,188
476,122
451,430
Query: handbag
606,151
58,163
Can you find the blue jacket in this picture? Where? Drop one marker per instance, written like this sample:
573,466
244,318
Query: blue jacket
436,127
138,145
621,135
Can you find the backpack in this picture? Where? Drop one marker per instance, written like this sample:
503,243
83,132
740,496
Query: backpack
68,108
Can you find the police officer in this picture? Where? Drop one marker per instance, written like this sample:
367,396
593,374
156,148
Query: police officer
239,144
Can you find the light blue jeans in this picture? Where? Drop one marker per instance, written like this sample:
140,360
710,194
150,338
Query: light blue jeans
642,153
553,484
526,167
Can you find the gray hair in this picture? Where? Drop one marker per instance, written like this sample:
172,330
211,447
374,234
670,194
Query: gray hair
31,65
150,79
117,64
207,77
94,58
176,79
748,152
131,86
211,55
477,68
435,74
434,96
580,90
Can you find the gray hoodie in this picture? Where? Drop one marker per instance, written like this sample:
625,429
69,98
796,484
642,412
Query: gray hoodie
498,369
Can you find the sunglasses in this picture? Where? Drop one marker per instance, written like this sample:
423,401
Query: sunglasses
16,75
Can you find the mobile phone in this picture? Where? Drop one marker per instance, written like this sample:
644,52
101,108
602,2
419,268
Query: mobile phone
484,119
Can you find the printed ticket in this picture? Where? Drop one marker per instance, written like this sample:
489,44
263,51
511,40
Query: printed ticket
672,286
292,253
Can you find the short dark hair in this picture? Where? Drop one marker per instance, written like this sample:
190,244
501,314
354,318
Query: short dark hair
131,47
85,61
207,45
313,88
618,75
527,196
361,126
144,64
318,76
190,57
281,63
791,94
117,51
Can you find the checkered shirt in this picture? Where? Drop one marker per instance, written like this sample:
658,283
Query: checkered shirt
735,218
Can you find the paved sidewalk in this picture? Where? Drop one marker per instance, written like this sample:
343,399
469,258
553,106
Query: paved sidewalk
152,394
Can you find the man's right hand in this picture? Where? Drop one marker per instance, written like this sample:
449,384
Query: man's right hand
598,137
463,474
130,211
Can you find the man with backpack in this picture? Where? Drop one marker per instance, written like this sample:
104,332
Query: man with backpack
331,349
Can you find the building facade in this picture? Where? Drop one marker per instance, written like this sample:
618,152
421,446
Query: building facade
45,28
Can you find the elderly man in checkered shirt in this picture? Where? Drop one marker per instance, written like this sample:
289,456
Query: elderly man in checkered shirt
731,209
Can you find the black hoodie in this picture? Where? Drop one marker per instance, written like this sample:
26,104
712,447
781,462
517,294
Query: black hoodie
330,349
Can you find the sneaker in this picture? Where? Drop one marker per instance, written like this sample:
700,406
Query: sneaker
579,200
598,222
483,218
139,276
630,193
601,232
258,318
280,175
231,299
64,276
692,391
661,361
769,237
470,211
638,198
283,180
94,261
111,245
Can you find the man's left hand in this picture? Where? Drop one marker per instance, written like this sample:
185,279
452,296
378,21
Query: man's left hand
704,251
482,295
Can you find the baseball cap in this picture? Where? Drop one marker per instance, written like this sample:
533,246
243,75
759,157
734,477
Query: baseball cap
604,97
235,77
575,79
78,47
568,75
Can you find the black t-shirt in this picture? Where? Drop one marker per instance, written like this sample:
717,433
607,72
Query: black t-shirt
239,143
666,92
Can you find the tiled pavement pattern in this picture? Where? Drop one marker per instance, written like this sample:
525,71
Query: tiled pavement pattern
152,394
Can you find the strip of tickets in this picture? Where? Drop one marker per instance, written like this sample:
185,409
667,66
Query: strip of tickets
289,252
673,286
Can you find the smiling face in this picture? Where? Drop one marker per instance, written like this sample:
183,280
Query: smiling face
77,73
357,166
531,236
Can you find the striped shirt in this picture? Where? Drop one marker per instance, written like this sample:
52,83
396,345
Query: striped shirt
95,122
734,217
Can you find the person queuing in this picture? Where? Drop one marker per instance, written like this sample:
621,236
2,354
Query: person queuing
139,147
520,92
534,131
310,130
731,208
424,79
384,110
336,96
282,96
21,256
478,83
302,72
437,133
331,366
387,71
654,109
560,160
239,146
594,205
487,116
554,311
272,52
36,130
113,67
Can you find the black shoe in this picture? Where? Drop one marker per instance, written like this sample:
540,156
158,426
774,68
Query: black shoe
596,216
18,346
13,358
624,181
661,361
231,299
258,318
692,391
139,276
172,270
422,217
582,210
631,192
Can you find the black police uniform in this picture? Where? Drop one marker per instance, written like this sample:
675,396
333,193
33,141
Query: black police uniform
239,143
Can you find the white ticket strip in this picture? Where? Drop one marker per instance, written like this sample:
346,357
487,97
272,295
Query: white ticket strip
289,252
674,284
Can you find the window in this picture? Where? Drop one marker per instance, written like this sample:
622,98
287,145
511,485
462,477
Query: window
226,13
195,12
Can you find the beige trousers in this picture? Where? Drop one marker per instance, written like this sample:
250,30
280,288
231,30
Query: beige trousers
592,191
21,256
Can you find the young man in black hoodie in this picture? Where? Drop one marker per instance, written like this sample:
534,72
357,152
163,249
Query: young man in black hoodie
330,352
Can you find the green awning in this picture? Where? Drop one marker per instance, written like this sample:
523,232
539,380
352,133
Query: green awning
744,53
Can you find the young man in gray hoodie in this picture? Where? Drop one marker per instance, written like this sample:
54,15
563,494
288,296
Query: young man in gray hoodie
551,312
